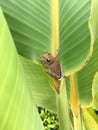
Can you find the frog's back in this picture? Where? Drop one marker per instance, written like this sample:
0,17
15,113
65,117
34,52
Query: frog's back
56,68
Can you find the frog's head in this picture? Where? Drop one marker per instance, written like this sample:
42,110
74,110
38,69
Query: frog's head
47,58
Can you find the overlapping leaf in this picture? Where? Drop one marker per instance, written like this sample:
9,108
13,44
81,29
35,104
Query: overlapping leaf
95,91
86,75
31,26
40,84
17,110
90,120
75,42
85,78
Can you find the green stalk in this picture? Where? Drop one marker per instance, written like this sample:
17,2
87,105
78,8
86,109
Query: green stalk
77,122
63,108
75,103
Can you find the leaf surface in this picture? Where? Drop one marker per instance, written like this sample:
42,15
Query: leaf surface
44,30
86,75
95,91
90,120
75,45
17,109
40,84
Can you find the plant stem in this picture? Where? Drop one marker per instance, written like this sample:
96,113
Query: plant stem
75,105
63,108
77,122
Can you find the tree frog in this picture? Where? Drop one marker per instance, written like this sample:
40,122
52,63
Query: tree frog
52,65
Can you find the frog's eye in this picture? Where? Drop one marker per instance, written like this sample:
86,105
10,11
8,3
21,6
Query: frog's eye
48,60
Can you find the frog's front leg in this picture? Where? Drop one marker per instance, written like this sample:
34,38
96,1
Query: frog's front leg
52,74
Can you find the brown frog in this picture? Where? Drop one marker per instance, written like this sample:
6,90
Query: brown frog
52,65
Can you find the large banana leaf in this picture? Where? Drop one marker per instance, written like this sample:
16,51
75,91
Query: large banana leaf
74,33
17,109
36,26
30,24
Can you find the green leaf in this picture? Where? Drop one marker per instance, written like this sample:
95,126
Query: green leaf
43,23
86,75
90,120
17,110
30,24
85,78
63,108
35,19
95,91
93,22
75,45
40,84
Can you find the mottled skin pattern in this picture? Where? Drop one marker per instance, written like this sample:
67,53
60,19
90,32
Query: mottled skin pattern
52,66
